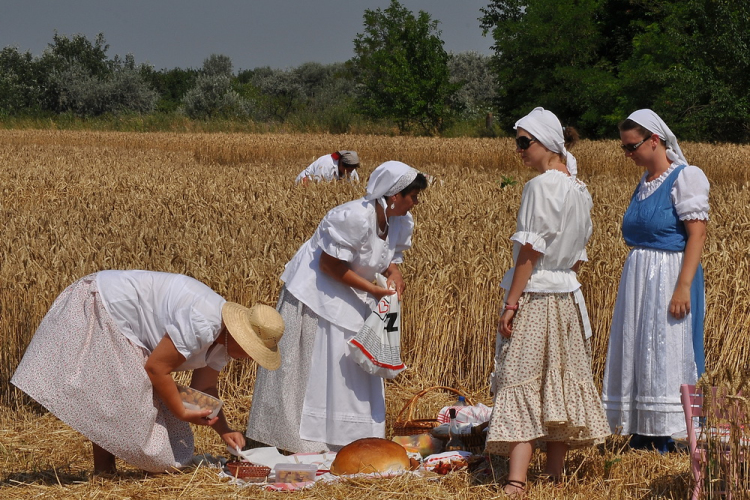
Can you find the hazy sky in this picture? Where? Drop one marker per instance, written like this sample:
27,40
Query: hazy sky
182,33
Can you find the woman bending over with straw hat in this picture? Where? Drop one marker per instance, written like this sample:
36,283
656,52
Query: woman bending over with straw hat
542,383
656,339
320,399
103,356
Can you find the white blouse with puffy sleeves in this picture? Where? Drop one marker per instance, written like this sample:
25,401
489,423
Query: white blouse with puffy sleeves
554,218
689,191
348,232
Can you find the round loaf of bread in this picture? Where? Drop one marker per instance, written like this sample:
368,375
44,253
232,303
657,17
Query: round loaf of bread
370,455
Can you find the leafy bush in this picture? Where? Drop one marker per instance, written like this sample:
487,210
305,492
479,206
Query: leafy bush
85,94
473,72
278,93
214,97
218,64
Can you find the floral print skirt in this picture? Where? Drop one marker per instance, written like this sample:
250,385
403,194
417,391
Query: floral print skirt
89,375
542,383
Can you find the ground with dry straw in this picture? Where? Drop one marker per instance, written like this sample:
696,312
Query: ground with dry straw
224,209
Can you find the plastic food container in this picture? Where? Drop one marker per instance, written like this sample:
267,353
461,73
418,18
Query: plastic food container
295,473
248,471
197,400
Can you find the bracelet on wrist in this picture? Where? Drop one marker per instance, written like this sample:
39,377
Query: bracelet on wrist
509,307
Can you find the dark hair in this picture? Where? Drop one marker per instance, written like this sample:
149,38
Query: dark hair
628,124
570,136
419,183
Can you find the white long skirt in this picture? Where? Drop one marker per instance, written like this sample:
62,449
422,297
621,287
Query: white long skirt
319,399
650,352
89,375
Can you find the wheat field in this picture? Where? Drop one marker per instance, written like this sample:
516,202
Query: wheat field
224,209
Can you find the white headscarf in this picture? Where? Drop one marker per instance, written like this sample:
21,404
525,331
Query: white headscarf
654,124
388,179
546,128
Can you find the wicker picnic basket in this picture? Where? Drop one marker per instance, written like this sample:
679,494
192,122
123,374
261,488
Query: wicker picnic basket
406,425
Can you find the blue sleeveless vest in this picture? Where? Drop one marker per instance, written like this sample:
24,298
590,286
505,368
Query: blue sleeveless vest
654,223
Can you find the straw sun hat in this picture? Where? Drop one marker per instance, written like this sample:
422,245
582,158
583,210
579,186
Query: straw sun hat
257,330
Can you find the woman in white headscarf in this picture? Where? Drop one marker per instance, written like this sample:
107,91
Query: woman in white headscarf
656,338
320,399
543,386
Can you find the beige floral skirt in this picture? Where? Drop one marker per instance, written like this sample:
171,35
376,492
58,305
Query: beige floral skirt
543,386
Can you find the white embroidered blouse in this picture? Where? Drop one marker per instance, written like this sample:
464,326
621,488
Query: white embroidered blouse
146,305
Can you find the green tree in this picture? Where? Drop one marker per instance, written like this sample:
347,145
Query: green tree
277,93
593,62
171,85
127,89
19,90
214,97
123,90
218,64
91,56
311,95
473,72
70,56
401,68
330,91
690,62
77,77
549,53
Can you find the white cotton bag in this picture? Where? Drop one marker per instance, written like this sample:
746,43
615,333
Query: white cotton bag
376,348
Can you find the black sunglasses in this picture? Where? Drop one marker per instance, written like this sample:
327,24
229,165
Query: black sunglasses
524,143
630,148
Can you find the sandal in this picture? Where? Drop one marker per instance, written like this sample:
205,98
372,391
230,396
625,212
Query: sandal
520,488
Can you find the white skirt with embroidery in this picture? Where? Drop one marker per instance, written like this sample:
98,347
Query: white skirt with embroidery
650,352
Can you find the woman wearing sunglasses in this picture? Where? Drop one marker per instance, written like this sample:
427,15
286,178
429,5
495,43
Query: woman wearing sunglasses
656,338
543,386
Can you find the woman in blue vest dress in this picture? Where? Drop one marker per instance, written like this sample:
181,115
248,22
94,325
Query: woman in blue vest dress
656,338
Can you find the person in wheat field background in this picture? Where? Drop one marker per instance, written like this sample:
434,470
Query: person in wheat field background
656,338
320,398
543,386
340,165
